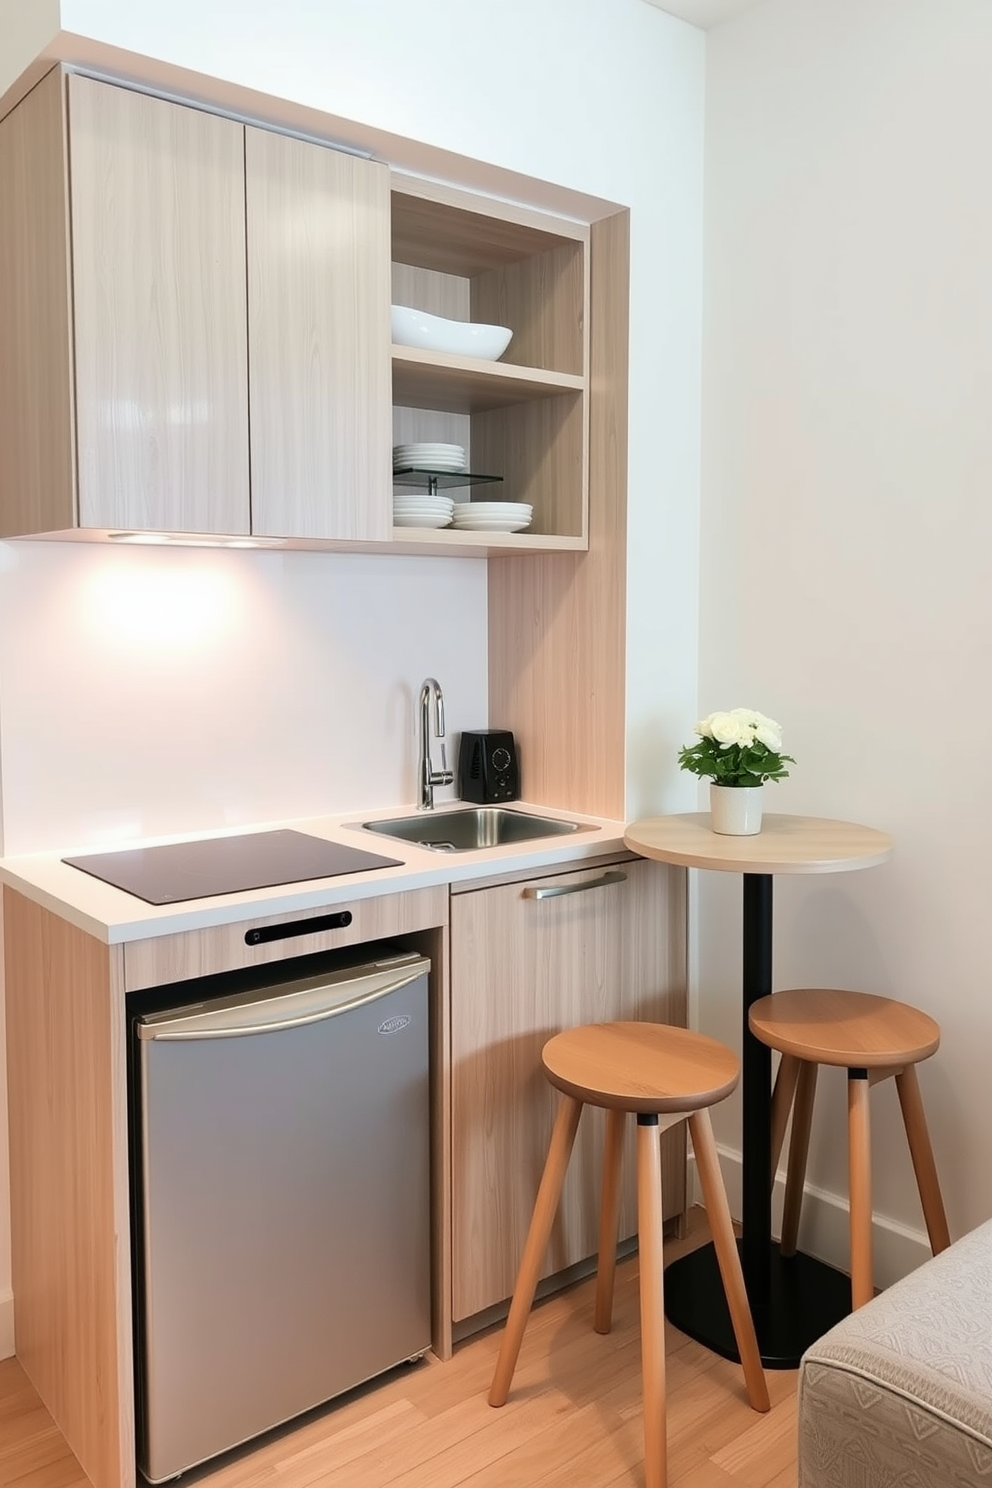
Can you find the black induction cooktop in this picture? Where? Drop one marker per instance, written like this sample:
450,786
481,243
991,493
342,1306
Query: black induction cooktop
226,865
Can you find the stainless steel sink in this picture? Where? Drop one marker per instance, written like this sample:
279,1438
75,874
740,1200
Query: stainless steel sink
467,831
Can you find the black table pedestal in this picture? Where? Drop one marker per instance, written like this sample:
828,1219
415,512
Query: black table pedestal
795,1300
805,1297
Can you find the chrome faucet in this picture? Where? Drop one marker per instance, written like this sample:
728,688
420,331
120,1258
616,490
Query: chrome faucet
429,777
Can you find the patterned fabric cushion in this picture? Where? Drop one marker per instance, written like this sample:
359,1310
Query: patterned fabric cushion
899,1394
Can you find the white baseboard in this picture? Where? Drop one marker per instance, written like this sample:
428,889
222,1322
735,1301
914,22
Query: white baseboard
6,1325
824,1230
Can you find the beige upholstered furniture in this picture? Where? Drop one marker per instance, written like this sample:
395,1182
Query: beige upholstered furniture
874,1039
899,1394
662,1075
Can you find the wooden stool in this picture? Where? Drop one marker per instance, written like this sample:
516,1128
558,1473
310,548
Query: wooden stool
873,1038
663,1076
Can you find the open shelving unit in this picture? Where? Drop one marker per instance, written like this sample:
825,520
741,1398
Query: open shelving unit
525,417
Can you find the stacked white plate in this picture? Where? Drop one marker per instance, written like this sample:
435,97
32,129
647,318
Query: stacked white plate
447,457
420,510
491,516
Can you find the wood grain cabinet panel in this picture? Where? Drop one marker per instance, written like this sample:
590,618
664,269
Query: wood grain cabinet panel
37,466
522,969
70,1245
319,340
158,247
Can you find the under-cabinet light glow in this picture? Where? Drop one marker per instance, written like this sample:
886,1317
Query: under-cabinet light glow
192,540
164,610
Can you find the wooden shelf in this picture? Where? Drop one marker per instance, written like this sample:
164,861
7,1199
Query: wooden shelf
433,227
444,542
457,384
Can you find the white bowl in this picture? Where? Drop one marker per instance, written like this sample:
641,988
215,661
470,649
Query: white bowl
460,337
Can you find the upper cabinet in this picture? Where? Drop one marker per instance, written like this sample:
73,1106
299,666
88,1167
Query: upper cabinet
318,334
124,401
157,199
195,317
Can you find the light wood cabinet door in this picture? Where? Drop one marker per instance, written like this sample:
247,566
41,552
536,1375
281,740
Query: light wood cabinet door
319,341
523,969
158,254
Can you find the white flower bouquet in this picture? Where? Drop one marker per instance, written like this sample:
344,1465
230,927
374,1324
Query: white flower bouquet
739,748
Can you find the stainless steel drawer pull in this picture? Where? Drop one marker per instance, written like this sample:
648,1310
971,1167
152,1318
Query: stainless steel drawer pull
555,891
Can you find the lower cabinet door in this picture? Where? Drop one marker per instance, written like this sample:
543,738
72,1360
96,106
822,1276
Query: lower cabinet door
524,967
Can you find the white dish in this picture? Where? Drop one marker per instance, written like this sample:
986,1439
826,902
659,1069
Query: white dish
444,466
429,503
460,337
464,517
428,459
423,511
437,498
493,524
468,511
421,519
496,508
435,446
442,516
421,498
450,452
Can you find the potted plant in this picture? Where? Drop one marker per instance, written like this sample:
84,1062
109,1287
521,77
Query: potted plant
738,751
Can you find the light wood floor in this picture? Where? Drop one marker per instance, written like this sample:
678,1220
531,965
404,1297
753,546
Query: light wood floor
573,1418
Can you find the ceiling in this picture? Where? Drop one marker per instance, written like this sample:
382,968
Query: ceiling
704,13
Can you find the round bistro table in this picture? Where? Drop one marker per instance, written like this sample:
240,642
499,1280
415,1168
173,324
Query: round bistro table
795,1299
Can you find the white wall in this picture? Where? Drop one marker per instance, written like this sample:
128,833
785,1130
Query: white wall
846,524
26,28
161,691
603,97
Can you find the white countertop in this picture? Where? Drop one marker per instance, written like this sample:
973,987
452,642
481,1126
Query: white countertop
115,917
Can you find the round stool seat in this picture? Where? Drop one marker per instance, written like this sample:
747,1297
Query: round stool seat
856,1030
646,1068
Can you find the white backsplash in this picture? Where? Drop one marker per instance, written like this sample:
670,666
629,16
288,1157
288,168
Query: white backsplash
145,691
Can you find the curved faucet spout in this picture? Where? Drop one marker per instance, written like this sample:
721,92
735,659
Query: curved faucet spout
429,777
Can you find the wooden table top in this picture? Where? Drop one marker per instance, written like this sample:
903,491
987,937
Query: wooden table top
785,844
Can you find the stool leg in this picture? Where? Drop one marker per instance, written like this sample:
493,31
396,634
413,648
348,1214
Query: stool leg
545,1207
651,1262
782,1096
722,1230
921,1152
795,1177
859,1163
609,1220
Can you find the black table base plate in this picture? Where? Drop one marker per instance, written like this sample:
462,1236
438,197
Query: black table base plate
805,1298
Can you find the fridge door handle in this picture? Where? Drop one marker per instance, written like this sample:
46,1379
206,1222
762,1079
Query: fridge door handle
316,1005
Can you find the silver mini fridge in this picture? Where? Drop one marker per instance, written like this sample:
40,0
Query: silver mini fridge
282,1203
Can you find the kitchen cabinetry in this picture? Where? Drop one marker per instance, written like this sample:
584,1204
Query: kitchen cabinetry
513,959
130,320
66,1012
525,417
195,316
529,958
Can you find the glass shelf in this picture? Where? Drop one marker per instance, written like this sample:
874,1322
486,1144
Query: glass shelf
422,478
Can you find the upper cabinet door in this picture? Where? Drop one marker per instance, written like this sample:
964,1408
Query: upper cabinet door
319,341
158,251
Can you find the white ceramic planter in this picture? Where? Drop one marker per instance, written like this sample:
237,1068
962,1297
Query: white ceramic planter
735,810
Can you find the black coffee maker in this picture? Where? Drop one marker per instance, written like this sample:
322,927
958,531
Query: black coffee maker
488,767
